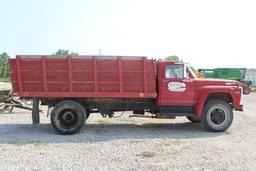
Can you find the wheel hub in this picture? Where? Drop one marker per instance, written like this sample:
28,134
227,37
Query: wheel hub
68,116
218,116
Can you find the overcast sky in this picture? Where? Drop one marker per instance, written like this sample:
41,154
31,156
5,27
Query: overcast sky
205,33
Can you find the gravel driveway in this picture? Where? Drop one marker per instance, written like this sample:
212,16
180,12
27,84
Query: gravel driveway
128,144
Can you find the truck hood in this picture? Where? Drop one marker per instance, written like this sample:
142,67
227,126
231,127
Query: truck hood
215,81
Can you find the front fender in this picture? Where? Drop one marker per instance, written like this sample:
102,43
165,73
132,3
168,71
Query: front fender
204,92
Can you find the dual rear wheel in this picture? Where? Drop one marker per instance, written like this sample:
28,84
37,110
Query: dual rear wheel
68,117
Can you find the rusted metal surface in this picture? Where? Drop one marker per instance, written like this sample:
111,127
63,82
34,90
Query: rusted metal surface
8,102
141,116
157,116
4,95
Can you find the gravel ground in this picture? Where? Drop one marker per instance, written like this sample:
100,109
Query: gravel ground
128,144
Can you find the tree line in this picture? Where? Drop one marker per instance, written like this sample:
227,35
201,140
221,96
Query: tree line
4,61
4,65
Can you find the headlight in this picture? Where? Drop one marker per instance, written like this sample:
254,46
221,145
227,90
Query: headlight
231,83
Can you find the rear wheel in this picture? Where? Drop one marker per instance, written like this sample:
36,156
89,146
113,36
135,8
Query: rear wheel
194,119
218,116
68,117
87,114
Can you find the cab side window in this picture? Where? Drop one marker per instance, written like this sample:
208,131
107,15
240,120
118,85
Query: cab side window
174,71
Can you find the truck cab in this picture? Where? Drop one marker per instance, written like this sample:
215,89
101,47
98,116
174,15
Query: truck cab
179,87
176,84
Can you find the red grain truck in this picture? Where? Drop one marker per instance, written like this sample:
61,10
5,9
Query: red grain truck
77,86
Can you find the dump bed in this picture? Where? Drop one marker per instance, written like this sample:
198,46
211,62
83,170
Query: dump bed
83,76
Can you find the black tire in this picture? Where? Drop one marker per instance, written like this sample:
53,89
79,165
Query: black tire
68,117
194,119
217,116
35,112
88,114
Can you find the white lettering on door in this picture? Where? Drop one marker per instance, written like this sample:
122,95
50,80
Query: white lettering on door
176,86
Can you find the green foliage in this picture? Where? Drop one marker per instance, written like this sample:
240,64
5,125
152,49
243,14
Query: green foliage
177,59
63,52
173,58
4,65
5,68
74,54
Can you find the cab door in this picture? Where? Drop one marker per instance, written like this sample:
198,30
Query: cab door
175,88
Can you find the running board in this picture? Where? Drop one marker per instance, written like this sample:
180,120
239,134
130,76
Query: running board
157,116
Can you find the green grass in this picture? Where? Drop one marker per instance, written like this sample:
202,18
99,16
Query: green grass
35,143
102,121
5,80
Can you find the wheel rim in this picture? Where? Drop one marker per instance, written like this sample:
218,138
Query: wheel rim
218,116
68,118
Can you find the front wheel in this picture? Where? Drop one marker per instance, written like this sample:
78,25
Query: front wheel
218,116
68,117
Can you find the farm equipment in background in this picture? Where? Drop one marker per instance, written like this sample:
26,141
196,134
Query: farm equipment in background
8,102
237,74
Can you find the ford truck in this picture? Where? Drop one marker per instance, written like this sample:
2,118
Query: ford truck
75,87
